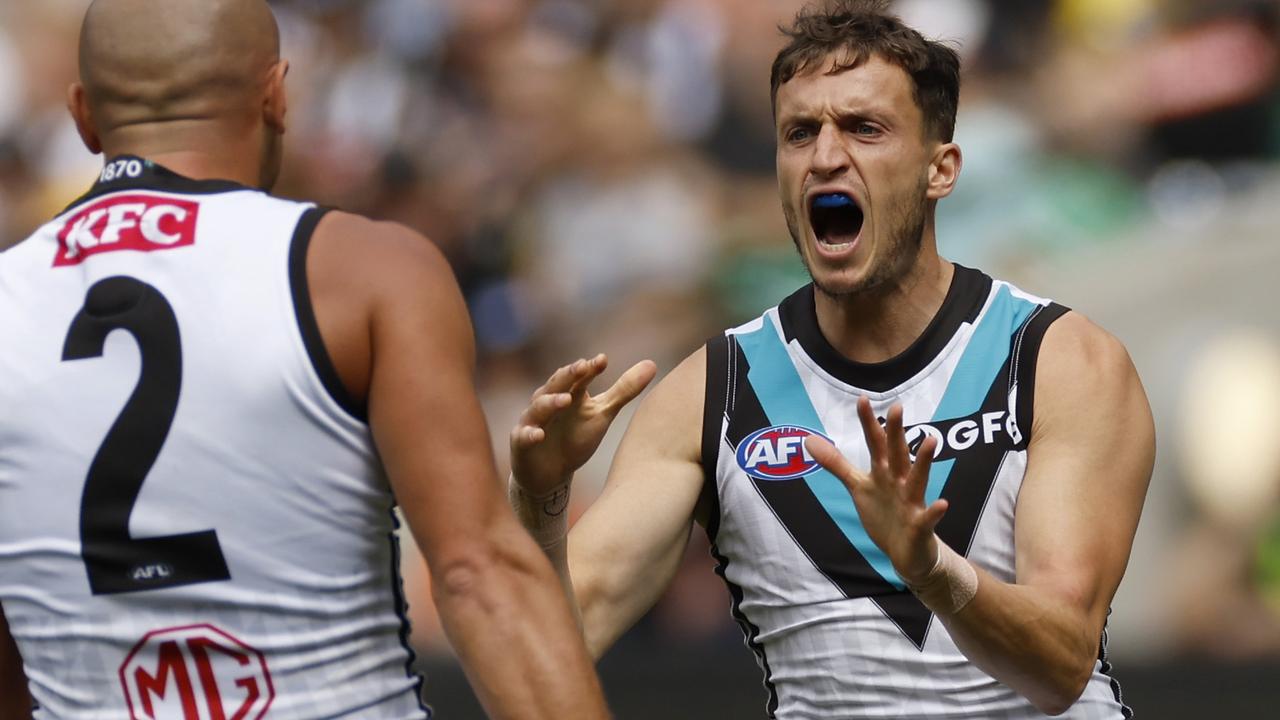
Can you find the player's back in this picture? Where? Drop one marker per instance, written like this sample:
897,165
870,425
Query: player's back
193,519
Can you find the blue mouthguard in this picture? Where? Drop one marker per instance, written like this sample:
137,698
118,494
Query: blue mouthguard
832,201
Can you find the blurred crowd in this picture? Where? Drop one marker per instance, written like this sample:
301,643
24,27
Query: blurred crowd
600,175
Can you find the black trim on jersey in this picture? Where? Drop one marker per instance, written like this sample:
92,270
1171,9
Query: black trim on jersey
402,612
1125,711
715,407
735,368
750,631
311,338
1026,351
157,177
965,298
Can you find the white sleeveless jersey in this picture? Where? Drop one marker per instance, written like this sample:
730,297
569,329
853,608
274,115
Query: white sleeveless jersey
832,625
193,521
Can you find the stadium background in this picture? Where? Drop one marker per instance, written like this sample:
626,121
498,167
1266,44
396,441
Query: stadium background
599,172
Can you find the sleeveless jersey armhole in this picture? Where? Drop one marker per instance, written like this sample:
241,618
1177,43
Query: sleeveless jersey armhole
1026,353
715,407
306,316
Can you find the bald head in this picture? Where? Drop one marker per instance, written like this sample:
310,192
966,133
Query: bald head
153,60
196,82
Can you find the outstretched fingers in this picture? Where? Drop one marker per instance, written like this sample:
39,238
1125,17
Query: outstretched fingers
573,377
627,387
588,370
888,448
917,482
530,429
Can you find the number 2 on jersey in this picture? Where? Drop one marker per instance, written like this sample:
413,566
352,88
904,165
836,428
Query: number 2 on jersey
116,562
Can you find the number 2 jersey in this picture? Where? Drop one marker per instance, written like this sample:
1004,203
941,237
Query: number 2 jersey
194,523
832,625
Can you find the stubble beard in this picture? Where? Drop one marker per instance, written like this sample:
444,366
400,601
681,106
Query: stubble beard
906,233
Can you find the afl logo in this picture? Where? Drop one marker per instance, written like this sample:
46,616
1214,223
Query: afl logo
778,453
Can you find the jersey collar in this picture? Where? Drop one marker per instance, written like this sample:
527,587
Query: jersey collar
130,172
965,298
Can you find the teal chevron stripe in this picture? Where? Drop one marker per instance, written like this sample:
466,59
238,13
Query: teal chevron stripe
978,367
783,397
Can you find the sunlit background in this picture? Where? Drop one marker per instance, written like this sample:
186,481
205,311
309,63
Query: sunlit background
600,174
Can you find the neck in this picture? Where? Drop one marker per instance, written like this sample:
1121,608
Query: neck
879,324
199,152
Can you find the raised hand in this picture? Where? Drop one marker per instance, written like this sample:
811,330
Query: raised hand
890,496
564,424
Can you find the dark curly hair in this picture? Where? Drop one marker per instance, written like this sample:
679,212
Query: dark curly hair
853,31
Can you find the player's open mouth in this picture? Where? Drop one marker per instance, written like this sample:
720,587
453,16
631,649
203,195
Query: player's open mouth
836,220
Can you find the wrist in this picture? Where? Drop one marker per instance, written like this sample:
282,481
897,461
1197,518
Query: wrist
545,515
925,569
949,586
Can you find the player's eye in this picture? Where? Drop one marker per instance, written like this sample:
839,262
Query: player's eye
799,134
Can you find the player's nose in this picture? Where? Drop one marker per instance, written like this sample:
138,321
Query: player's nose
830,156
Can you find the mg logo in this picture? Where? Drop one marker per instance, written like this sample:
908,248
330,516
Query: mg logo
195,672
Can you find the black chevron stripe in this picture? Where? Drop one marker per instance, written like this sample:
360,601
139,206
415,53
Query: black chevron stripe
817,534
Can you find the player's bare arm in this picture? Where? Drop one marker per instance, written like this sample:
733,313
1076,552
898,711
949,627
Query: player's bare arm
15,700
559,431
625,549
395,323
1089,462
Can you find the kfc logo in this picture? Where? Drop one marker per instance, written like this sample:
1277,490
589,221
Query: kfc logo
196,672
127,222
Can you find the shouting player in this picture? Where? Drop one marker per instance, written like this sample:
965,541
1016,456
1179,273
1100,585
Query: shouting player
212,400
961,561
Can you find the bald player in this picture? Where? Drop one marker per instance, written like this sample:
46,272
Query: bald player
213,400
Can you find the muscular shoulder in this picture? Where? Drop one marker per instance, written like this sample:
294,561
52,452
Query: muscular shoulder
383,267
1084,373
1093,437
376,255
1077,341
382,285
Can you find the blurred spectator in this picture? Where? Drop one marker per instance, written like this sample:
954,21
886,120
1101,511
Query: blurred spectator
1232,470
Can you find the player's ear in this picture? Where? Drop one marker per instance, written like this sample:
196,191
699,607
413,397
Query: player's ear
275,105
944,170
78,106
